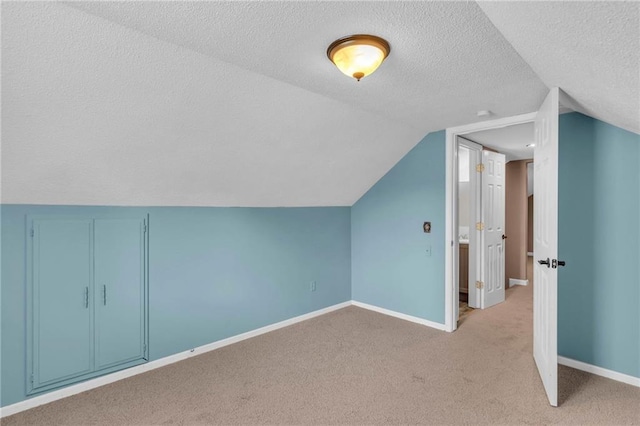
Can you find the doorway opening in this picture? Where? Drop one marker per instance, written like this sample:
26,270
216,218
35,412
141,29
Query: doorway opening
492,205
479,265
545,230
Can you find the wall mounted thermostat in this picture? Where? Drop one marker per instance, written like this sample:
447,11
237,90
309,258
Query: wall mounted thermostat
426,227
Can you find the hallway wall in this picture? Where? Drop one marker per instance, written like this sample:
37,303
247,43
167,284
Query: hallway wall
516,221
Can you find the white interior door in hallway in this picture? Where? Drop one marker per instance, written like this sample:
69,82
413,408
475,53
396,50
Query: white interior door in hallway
492,226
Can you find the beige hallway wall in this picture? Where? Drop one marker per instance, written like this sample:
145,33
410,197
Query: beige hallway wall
530,223
516,220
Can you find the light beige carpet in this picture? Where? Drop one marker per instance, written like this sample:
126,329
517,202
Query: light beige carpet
358,367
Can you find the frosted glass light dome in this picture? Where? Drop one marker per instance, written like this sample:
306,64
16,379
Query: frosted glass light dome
358,55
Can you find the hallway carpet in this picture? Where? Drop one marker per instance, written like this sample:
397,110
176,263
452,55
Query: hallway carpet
354,366
463,312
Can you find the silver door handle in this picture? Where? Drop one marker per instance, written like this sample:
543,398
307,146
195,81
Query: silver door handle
86,297
104,294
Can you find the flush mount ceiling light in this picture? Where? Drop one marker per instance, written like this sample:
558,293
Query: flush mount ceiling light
358,55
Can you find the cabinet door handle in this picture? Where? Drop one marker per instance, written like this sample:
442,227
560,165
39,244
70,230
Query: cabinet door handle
104,294
86,297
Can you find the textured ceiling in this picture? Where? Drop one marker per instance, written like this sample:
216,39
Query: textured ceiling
94,113
511,140
447,59
591,50
235,103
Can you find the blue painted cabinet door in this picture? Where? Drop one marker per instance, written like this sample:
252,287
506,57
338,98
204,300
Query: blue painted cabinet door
120,291
62,337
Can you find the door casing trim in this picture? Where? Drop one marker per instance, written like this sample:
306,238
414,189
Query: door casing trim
451,206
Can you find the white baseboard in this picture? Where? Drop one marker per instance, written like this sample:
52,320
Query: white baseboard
405,317
139,369
513,281
599,371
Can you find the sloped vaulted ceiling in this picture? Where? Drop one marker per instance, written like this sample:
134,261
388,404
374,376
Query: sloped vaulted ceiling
236,104
591,50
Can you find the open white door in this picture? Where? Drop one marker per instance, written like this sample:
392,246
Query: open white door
470,216
475,187
493,196
545,245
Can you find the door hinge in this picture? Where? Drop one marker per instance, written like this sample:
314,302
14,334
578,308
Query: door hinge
480,285
144,349
480,168
144,226
31,378
480,226
32,233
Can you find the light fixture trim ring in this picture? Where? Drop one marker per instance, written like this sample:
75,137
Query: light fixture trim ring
369,39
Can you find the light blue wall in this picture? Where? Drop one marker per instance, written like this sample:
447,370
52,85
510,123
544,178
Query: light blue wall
390,265
213,273
217,272
599,237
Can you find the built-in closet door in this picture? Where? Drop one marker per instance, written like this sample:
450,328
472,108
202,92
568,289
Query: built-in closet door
120,291
61,268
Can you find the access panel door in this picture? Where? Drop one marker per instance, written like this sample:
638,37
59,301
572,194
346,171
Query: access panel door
120,291
61,310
